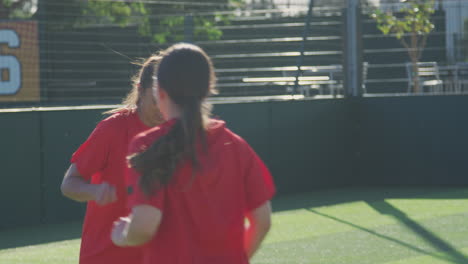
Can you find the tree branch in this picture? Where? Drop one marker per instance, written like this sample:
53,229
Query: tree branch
408,48
422,44
402,40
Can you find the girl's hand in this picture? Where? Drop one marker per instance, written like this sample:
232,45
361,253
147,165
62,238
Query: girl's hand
105,194
118,234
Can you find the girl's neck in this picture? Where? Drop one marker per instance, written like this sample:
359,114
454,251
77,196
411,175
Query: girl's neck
173,111
149,119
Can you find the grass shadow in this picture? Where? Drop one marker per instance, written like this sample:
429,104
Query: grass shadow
436,242
326,197
28,236
461,260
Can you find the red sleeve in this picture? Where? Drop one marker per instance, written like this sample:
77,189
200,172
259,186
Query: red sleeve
259,183
92,155
136,196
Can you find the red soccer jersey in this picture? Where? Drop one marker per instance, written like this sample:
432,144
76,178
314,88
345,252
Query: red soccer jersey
203,216
102,157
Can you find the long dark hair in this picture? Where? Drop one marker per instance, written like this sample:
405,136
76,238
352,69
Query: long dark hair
142,80
186,73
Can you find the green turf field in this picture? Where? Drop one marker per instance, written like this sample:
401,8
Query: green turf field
349,226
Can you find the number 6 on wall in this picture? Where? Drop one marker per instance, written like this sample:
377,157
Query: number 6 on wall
9,63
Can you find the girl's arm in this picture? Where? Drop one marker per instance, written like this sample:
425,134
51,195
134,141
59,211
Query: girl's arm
138,228
78,189
259,225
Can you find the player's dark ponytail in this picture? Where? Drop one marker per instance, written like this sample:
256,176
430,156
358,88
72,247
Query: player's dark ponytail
186,74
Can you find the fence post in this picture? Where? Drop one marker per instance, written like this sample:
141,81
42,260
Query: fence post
43,50
188,28
305,33
353,50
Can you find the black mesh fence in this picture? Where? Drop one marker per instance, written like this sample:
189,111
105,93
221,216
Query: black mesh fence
81,51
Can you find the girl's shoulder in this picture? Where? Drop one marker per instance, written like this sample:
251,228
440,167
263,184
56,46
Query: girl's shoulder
117,118
218,130
111,125
146,137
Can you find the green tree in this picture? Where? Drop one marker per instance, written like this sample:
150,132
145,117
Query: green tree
16,8
166,22
411,25
161,20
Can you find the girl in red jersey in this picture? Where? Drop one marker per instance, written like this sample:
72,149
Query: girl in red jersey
97,170
193,180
